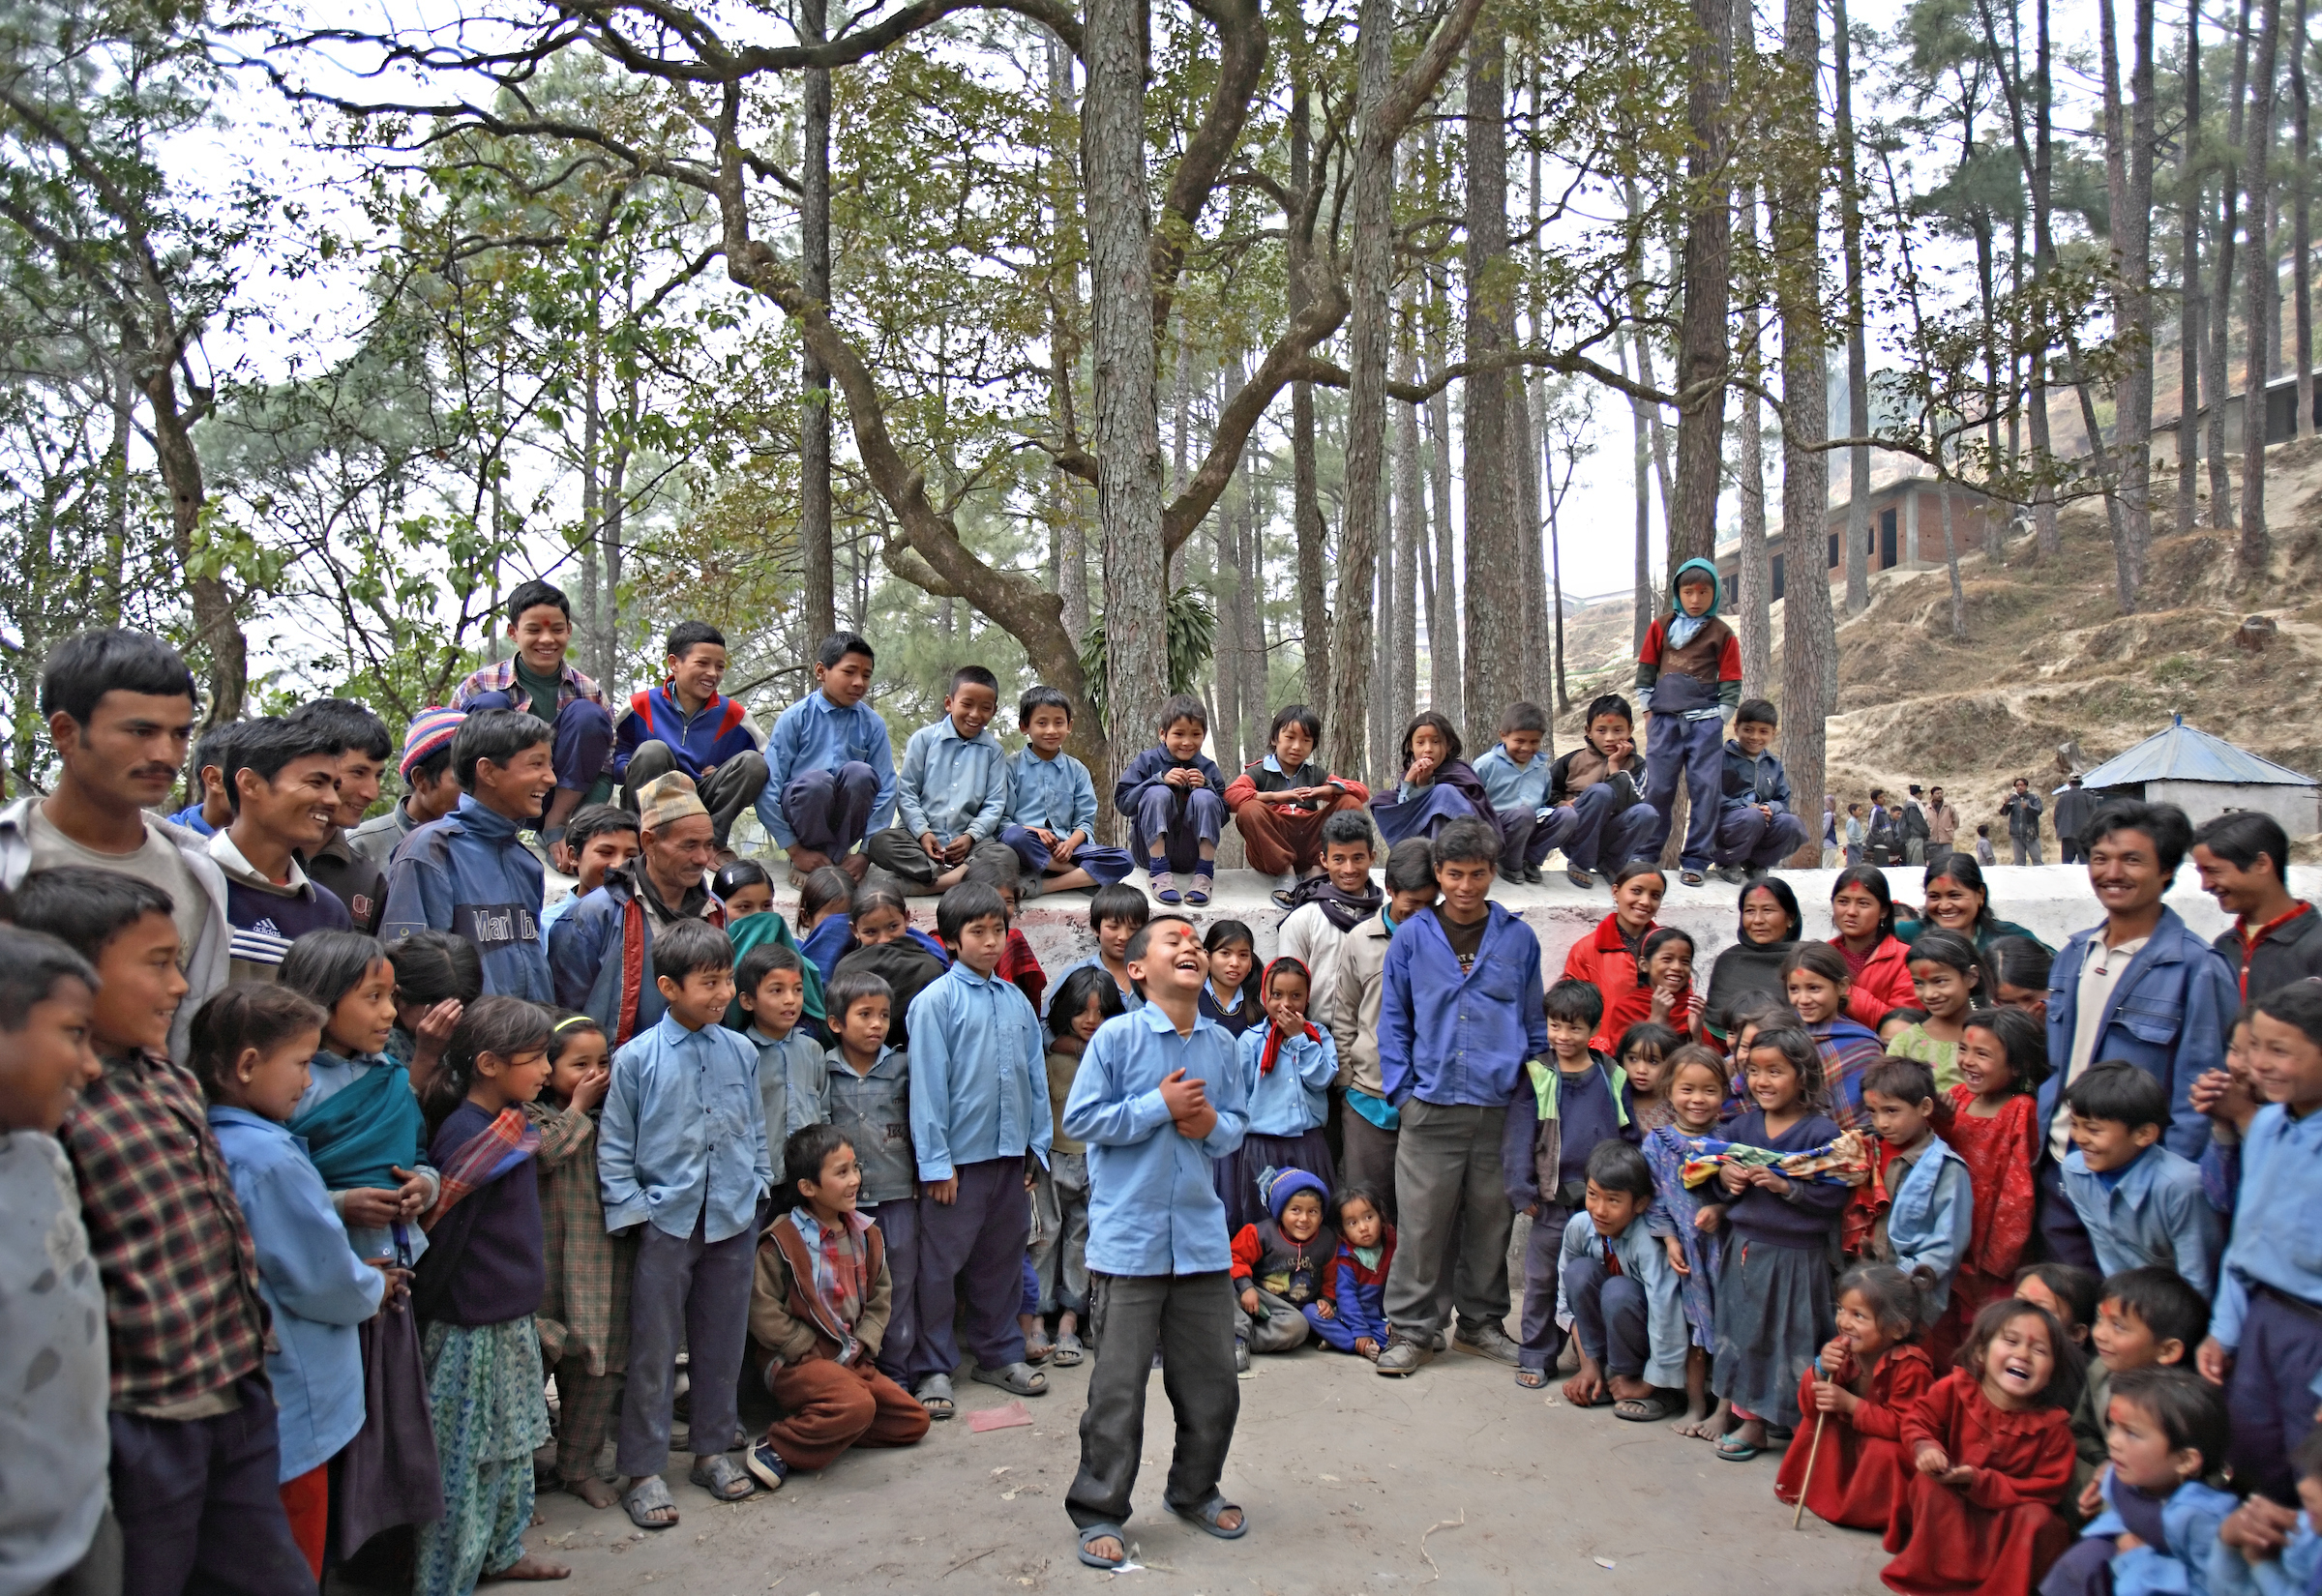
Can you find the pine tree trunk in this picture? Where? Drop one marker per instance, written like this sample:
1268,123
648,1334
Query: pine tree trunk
818,593
1493,651
1072,525
2189,271
1753,576
1704,350
2301,237
1224,582
1643,600
1950,560
1858,346
1306,506
2257,168
1446,678
2214,376
1257,686
1410,544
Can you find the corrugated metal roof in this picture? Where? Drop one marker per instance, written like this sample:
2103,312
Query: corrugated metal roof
2187,754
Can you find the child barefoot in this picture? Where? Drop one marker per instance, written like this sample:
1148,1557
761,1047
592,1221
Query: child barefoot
2165,1428
1688,1223
1351,1314
2002,1057
1087,999
1642,1053
1866,1380
1990,1452
583,1315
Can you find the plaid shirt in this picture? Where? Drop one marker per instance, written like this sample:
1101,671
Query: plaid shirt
585,1311
181,1275
500,677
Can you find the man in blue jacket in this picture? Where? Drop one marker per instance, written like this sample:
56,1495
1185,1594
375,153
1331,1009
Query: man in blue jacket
466,872
2141,987
1473,970
687,725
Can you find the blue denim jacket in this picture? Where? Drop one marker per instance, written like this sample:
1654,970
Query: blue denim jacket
2169,1016
1444,1038
1931,1216
683,1135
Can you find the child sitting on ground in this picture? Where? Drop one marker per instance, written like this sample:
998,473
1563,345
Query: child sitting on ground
1687,1222
1615,1281
1281,1261
2165,1430
1950,978
2002,1057
1869,1375
1352,1316
1287,1065
2265,1549
1921,1201
1115,914
583,1315
1234,995
251,1045
1051,804
1174,799
1282,804
867,1096
1643,1051
2146,1318
770,984
818,1308
2140,1202
1990,1453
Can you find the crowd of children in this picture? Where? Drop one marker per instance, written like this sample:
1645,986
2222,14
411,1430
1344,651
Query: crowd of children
332,1191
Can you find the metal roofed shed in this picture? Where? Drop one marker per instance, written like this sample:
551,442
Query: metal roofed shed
2207,777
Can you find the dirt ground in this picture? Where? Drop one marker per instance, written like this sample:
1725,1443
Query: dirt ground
1453,1480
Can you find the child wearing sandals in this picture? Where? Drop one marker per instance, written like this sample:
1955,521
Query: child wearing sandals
1352,1316
1688,1223
1623,1297
1863,1382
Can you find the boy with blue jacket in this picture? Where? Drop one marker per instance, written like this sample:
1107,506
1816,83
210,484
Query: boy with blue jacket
1616,1282
2140,1203
1931,1210
2140,988
952,794
1755,828
1050,821
1175,797
467,874
1689,674
830,769
1459,1013
686,724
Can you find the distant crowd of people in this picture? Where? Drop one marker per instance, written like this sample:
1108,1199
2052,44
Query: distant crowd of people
1920,828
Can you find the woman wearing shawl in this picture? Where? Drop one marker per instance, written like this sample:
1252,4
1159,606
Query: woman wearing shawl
1958,900
756,931
1288,1066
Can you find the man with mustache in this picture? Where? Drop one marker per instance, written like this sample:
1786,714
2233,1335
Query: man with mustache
120,712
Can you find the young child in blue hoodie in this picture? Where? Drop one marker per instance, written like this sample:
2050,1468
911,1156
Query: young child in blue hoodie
2140,1202
2165,1430
1051,822
1689,675
1281,1265
251,1045
1175,797
1287,1065
951,796
1755,828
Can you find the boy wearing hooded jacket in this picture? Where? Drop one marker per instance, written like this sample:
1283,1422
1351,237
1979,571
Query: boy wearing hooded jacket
1689,675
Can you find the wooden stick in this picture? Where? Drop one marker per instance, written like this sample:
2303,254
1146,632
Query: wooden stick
1806,1481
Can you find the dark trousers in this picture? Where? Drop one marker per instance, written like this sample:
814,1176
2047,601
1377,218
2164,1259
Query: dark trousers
201,1507
1760,842
2062,1238
1542,1339
1189,1319
584,742
2270,1394
700,1290
829,810
726,791
1367,1158
1174,822
1103,863
983,1233
898,852
1449,1183
1693,752
2086,1570
897,1224
1608,1315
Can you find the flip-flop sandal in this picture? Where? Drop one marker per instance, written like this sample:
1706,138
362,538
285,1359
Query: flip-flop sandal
1099,1532
1690,877
1731,1451
1205,1516
647,1496
1069,1351
723,1478
934,1394
1532,1379
1019,1380
1650,1409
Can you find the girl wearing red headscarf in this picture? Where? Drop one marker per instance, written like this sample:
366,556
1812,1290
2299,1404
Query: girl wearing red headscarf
1287,1065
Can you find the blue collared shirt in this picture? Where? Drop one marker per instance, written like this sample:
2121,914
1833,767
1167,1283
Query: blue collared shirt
1054,795
2153,1211
1514,789
683,1135
979,1076
816,734
1153,1208
1294,1098
2276,1241
952,786
1931,1217
792,1073
1479,1028
1646,1261
1130,996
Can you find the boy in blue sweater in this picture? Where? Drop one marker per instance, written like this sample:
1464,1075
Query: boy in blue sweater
830,769
1755,828
1051,804
467,874
952,792
1175,799
2140,1203
687,725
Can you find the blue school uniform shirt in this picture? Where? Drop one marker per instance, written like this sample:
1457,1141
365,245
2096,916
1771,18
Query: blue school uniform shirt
792,1074
1478,1027
2295,1572
1293,1097
979,1074
683,1134
2275,1242
2188,1522
952,786
316,1288
1514,789
1644,1260
1130,998
1054,795
1930,1217
2153,1210
816,734
1153,1208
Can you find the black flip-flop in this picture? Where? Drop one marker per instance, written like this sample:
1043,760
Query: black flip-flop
1650,1409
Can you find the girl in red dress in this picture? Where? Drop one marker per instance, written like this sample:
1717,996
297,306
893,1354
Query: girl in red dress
1991,1451
2003,1058
1870,1375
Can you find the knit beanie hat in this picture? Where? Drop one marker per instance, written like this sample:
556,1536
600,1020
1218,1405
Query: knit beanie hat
1276,1187
667,799
430,730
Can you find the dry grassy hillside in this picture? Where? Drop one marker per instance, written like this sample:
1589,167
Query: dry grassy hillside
2047,658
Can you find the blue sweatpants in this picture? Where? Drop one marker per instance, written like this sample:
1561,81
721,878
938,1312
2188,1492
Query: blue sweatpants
1693,751
1105,863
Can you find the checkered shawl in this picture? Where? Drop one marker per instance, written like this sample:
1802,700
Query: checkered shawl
584,1313
491,1153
